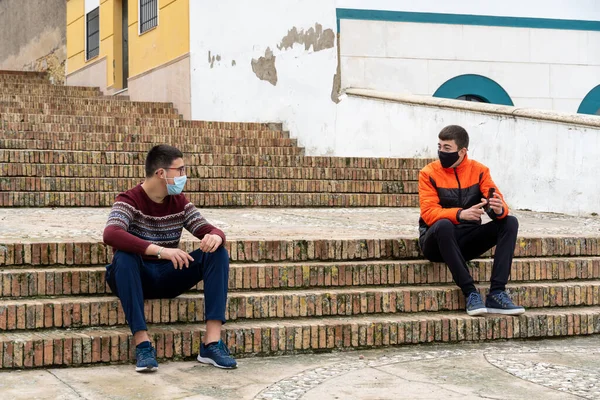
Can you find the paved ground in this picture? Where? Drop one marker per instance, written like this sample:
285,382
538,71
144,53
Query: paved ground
549,369
85,224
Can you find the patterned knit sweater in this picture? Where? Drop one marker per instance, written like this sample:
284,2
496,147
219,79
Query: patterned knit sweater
135,222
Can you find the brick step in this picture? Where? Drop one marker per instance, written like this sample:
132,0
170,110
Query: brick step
119,97
53,107
138,171
215,199
67,108
23,79
32,86
85,311
85,112
150,140
32,74
17,144
85,120
48,90
60,184
191,159
44,85
61,101
258,251
23,76
149,130
115,124
85,280
76,347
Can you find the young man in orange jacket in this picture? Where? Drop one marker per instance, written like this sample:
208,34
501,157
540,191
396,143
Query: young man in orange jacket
453,197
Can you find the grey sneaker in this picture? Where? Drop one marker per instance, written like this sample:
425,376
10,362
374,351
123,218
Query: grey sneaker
475,304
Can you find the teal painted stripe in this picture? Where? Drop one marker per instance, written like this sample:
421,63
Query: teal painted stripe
591,102
464,19
477,85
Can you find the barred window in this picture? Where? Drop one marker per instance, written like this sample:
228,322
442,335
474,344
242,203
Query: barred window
148,15
93,33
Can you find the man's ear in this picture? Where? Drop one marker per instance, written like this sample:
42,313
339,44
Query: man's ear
463,152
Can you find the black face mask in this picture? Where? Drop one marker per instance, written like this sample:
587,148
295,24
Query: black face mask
447,159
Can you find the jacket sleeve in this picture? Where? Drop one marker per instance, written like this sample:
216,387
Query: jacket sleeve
485,185
431,210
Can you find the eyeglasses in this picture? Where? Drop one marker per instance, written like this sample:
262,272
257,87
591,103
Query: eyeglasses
180,169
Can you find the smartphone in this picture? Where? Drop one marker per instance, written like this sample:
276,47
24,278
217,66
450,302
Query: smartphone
489,196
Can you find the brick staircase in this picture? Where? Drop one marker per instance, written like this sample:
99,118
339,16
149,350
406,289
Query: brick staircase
66,147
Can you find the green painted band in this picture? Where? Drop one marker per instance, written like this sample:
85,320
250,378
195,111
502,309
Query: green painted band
591,102
465,19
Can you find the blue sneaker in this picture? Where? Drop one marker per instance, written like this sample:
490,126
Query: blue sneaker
500,303
216,354
146,359
475,304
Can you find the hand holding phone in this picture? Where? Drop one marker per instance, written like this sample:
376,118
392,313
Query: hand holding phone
490,195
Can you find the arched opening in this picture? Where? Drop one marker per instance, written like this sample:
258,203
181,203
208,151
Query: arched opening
591,102
474,88
471,97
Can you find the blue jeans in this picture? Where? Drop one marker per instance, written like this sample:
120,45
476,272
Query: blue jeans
133,279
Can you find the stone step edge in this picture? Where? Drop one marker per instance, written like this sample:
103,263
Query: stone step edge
305,292
133,180
398,248
10,88
215,199
183,123
140,167
318,263
107,311
34,99
41,282
77,347
99,114
304,158
49,127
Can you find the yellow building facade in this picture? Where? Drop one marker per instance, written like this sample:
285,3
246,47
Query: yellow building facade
138,48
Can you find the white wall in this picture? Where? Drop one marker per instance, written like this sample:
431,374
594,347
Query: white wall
541,165
227,35
538,68
227,32
241,31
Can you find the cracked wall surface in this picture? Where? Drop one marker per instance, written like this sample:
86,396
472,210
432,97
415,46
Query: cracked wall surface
33,36
264,67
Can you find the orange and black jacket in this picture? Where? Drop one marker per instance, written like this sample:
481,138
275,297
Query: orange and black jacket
444,192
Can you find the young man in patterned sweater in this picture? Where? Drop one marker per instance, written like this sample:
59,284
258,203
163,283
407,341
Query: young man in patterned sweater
144,228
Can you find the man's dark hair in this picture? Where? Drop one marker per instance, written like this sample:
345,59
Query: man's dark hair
161,156
456,133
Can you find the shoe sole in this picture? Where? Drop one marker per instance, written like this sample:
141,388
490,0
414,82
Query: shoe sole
479,311
205,360
146,369
517,311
